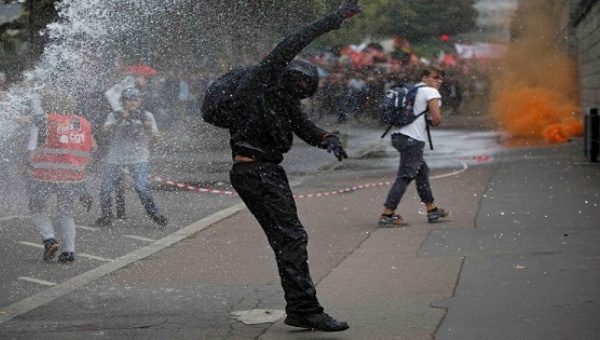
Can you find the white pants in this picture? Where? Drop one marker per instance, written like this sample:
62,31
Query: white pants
65,197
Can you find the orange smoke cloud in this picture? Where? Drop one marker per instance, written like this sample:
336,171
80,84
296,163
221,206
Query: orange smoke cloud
535,91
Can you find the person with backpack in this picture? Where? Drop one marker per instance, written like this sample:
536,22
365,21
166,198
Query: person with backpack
422,100
260,105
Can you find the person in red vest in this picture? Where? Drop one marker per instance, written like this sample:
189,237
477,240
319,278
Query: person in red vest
57,167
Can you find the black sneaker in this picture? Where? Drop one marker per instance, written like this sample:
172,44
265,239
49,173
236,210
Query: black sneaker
104,221
66,257
50,249
321,322
159,219
121,215
120,203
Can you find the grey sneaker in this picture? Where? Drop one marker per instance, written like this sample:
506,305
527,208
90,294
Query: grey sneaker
391,221
437,213
51,247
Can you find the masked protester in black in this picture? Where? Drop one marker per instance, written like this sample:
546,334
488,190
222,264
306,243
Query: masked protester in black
268,113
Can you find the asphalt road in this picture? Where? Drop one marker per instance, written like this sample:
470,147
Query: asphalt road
205,165
518,259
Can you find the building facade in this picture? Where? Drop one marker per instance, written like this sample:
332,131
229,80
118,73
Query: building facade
494,18
584,21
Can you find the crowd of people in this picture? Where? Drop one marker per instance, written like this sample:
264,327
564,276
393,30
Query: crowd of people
346,91
351,84
350,91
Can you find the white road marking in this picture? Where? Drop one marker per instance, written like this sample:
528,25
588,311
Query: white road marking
38,281
93,257
10,218
87,228
139,238
31,244
55,292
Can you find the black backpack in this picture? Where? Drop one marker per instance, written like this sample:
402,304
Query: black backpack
219,103
397,106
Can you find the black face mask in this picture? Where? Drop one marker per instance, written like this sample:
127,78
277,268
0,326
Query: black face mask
296,84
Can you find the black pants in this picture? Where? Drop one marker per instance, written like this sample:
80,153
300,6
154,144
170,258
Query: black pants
265,189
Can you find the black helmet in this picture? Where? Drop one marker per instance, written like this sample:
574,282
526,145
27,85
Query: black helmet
301,70
130,92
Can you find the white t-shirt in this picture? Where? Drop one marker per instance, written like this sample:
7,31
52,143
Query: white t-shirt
417,130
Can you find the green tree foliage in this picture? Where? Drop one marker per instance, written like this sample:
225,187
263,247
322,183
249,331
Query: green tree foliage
242,30
20,41
416,20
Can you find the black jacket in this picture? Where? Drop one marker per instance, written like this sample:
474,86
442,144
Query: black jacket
268,114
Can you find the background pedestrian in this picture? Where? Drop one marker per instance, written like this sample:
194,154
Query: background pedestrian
131,130
410,141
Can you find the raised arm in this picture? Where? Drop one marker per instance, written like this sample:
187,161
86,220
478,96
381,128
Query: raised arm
289,48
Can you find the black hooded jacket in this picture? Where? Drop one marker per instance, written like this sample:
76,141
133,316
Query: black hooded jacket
268,113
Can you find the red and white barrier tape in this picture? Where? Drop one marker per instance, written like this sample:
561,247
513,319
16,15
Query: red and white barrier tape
336,192
233,193
190,187
321,194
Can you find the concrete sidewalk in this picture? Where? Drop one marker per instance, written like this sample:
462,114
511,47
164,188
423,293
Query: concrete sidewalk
518,259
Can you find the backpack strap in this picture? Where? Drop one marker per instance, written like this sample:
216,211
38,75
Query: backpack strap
428,133
415,89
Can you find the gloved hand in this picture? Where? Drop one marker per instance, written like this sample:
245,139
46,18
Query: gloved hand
349,8
86,201
332,143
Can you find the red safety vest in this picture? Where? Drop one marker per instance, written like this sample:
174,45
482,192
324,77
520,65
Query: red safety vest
66,150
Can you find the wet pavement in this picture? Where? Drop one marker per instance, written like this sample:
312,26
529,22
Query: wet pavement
518,258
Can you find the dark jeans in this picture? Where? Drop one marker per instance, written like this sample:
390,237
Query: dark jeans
110,180
412,167
120,194
264,188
